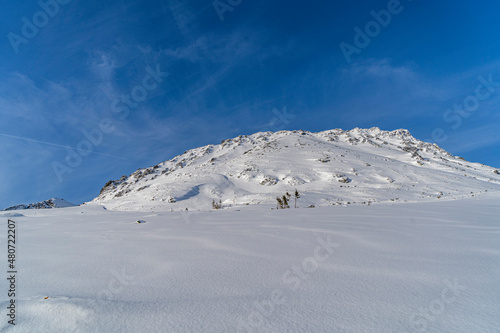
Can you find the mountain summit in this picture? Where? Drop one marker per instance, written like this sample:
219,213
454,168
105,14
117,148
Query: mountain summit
359,166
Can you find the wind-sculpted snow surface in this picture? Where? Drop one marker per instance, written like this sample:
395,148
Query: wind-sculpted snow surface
419,267
360,166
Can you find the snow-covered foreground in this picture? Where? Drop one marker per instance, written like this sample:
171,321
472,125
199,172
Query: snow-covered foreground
418,267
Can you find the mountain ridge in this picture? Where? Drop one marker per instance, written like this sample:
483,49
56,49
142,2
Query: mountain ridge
46,204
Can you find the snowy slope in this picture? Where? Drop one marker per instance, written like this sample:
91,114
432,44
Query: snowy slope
51,203
419,267
360,166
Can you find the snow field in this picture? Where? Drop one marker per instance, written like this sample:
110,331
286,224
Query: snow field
420,267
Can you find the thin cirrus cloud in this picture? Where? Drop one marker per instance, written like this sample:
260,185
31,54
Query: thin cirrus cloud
407,84
478,139
396,78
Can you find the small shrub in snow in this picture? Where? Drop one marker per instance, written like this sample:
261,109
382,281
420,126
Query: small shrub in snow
297,196
279,203
216,205
282,202
285,200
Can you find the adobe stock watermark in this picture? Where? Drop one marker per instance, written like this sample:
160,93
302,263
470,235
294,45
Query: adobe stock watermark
372,29
95,137
84,148
116,285
291,279
186,217
455,116
222,7
420,321
139,93
31,27
279,121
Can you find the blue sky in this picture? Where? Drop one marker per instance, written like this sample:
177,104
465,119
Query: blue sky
134,83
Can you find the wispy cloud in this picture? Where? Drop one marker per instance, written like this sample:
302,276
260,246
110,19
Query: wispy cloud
474,139
382,76
382,68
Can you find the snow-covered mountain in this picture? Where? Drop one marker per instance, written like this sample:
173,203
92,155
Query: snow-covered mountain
359,166
51,203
